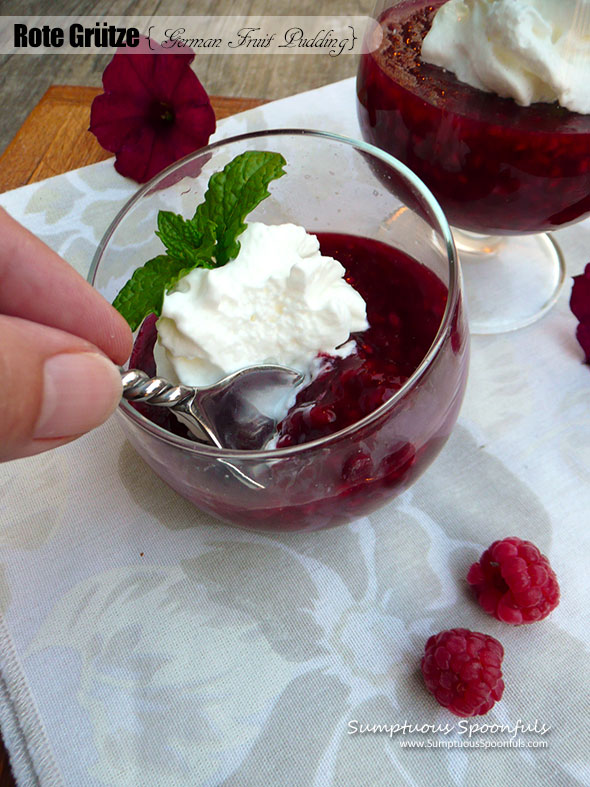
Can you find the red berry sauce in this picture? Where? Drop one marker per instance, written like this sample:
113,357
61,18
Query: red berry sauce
405,306
494,166
355,475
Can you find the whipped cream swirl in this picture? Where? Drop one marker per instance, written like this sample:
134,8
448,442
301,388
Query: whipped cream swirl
527,50
278,301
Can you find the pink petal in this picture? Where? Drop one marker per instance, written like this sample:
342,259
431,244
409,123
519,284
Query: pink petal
193,128
125,118
113,118
134,158
583,336
580,306
169,71
130,75
189,90
163,154
171,147
580,298
192,169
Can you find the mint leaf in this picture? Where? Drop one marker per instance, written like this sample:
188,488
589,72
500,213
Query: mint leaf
232,194
144,292
208,240
184,241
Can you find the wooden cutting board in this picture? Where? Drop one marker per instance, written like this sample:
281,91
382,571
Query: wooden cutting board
55,137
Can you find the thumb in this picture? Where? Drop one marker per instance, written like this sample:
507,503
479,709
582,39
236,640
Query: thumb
55,386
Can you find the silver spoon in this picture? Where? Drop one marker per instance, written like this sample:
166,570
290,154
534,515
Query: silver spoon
226,414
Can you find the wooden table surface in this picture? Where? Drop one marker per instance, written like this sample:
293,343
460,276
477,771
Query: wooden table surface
25,77
55,139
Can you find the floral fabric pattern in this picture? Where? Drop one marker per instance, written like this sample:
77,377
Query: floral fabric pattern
144,644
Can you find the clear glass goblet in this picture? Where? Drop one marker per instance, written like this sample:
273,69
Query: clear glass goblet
505,175
341,187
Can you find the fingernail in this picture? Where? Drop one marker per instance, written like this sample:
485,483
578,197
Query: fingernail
80,391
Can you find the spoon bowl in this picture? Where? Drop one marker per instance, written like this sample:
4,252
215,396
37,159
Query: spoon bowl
240,411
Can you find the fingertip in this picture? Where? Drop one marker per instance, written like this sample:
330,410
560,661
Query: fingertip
122,339
80,391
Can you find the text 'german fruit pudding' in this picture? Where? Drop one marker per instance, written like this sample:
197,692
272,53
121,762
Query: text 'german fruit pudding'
501,133
378,334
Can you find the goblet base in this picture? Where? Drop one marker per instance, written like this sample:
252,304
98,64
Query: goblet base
510,281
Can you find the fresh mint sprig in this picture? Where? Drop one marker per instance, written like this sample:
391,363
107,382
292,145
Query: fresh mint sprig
144,292
208,240
183,241
232,194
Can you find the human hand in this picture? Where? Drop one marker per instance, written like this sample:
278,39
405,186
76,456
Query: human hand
57,335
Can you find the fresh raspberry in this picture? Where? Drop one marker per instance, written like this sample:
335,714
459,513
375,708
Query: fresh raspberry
462,669
514,582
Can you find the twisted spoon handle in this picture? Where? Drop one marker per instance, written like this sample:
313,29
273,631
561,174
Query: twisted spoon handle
139,387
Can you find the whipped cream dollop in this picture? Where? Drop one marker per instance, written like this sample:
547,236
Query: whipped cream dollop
528,50
278,301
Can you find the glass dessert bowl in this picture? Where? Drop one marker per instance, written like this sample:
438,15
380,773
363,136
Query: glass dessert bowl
504,174
367,424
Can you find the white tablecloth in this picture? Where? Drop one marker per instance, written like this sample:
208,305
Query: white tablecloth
143,644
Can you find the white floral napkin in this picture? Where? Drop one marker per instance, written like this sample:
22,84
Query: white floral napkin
143,644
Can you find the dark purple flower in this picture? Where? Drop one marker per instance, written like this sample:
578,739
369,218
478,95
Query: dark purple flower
153,110
580,306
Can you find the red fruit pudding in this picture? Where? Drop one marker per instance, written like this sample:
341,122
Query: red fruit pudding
494,166
361,467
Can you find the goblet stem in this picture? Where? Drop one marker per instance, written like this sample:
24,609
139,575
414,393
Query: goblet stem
510,281
474,243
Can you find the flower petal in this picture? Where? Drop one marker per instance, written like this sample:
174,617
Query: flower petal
196,124
583,336
164,153
580,298
580,306
153,112
169,71
113,118
134,158
188,90
130,75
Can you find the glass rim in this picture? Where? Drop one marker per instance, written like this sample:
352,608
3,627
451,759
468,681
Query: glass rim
203,449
